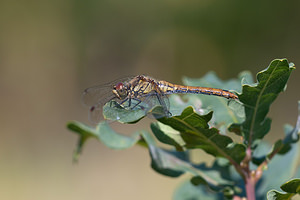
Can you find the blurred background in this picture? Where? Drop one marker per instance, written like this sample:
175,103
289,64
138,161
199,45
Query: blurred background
50,51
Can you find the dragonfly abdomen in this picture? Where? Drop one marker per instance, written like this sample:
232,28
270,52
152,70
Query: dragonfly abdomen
170,88
211,91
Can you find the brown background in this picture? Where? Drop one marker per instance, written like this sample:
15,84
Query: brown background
51,50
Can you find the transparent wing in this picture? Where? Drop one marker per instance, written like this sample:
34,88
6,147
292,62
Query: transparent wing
101,94
95,97
95,115
154,99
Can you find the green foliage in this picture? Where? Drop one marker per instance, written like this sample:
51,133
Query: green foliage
203,122
195,132
291,188
223,114
258,97
187,190
103,133
113,111
281,168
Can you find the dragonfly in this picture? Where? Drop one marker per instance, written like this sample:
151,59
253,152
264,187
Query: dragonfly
141,92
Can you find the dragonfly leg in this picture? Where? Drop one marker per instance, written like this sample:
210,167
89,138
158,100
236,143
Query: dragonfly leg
110,101
163,104
138,103
125,101
130,102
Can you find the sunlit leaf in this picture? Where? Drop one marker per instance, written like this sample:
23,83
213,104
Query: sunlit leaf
282,146
167,135
171,163
275,195
291,188
113,111
103,133
188,191
223,114
280,168
224,168
178,103
196,133
85,132
190,127
221,168
257,99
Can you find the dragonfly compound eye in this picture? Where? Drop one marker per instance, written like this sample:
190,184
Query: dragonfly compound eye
120,91
119,86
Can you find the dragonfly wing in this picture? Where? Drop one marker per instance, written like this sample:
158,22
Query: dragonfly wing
101,94
155,98
95,115
97,95
95,98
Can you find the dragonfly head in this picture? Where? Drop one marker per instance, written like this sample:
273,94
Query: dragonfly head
120,91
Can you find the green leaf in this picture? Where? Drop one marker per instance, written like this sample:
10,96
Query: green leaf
84,132
161,161
179,102
188,191
103,133
257,99
195,132
224,168
223,114
275,195
283,146
291,188
173,164
281,167
115,112
291,136
168,135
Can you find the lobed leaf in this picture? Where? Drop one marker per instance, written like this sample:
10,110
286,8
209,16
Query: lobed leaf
275,195
291,188
223,114
188,191
174,164
283,146
257,99
168,135
169,163
221,167
291,136
196,133
115,112
281,167
103,133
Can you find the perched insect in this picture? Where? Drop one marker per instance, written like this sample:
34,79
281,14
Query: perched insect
138,91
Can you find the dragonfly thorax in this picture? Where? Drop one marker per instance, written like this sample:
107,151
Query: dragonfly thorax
120,91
